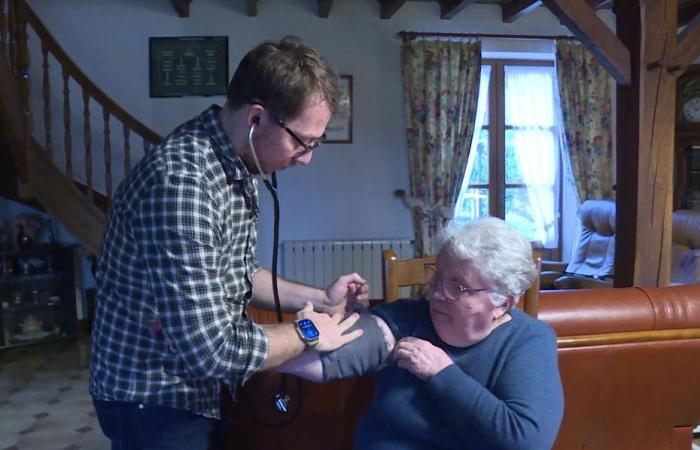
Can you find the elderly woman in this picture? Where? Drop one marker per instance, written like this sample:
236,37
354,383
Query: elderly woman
460,368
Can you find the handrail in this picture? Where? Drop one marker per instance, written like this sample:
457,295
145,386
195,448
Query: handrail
79,76
77,206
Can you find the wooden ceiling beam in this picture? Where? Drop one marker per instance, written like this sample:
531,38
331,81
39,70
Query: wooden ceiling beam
252,8
688,45
687,12
512,11
450,8
324,8
387,8
600,4
595,35
182,7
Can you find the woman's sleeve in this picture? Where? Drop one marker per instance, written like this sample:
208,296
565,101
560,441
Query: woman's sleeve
524,410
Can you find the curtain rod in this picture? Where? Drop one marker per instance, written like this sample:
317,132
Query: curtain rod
411,35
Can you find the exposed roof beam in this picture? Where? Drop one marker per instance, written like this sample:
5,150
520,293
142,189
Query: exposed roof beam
324,8
389,7
688,12
518,8
182,7
449,8
595,35
252,8
600,4
688,47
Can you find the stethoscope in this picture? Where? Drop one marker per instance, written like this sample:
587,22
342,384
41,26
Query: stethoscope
271,185
281,399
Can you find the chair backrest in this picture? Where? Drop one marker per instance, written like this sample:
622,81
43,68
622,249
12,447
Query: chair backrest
685,249
595,249
417,271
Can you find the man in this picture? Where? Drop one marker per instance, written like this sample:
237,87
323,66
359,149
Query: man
178,268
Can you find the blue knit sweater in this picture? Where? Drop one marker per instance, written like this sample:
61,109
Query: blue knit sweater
502,393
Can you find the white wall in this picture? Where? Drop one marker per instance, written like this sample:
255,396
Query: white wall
347,190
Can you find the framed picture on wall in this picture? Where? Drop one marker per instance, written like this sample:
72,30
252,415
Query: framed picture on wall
188,66
339,129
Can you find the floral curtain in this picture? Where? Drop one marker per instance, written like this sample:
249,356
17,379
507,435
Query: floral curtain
441,89
584,91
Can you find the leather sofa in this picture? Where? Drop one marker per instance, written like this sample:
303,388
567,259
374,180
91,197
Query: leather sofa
629,360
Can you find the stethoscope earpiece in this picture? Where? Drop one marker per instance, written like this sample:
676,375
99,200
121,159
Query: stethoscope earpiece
264,176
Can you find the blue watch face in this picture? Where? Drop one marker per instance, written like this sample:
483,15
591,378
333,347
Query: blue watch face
308,329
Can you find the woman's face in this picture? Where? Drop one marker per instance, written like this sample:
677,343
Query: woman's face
460,307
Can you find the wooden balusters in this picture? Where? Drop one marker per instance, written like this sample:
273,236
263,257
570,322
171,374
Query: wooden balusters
87,138
47,100
107,153
22,75
16,19
22,58
11,37
127,150
67,141
3,27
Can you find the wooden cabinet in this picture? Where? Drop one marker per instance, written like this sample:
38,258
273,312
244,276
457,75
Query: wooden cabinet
37,295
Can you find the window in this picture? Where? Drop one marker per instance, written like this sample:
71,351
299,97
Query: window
514,165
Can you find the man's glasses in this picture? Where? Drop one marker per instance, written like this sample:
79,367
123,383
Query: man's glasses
308,148
452,290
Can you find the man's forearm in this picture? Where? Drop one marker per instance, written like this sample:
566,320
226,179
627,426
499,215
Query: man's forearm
292,295
307,365
284,344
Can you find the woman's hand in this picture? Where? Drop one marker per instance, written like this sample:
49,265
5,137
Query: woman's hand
420,357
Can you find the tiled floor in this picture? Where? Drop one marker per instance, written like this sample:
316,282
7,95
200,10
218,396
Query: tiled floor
44,400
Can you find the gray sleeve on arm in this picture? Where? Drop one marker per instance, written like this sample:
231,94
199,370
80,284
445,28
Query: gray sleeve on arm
360,356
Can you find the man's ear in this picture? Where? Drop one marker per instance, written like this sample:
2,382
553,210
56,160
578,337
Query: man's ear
255,112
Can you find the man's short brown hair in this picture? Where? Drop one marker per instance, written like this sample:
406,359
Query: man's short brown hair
284,76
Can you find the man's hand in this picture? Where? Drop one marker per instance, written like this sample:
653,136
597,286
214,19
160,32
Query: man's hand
332,328
420,357
345,292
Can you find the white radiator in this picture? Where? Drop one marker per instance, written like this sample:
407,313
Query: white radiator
320,262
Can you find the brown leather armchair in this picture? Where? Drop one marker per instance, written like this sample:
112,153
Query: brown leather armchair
685,249
594,259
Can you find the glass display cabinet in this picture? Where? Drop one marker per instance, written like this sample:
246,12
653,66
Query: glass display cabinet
37,295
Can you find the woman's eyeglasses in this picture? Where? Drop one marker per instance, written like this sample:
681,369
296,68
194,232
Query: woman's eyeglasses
451,289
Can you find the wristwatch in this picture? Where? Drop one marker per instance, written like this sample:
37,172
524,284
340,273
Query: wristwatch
307,331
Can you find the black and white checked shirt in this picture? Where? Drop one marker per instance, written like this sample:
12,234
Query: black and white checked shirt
175,275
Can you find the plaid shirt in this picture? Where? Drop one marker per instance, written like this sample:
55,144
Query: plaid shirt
175,275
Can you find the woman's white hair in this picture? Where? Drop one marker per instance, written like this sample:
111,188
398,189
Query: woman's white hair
501,256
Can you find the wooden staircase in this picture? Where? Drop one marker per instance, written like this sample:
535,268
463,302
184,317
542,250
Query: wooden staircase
32,174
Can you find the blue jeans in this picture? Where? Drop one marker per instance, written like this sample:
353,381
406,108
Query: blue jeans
136,426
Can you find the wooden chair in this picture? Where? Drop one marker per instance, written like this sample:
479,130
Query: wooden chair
417,271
